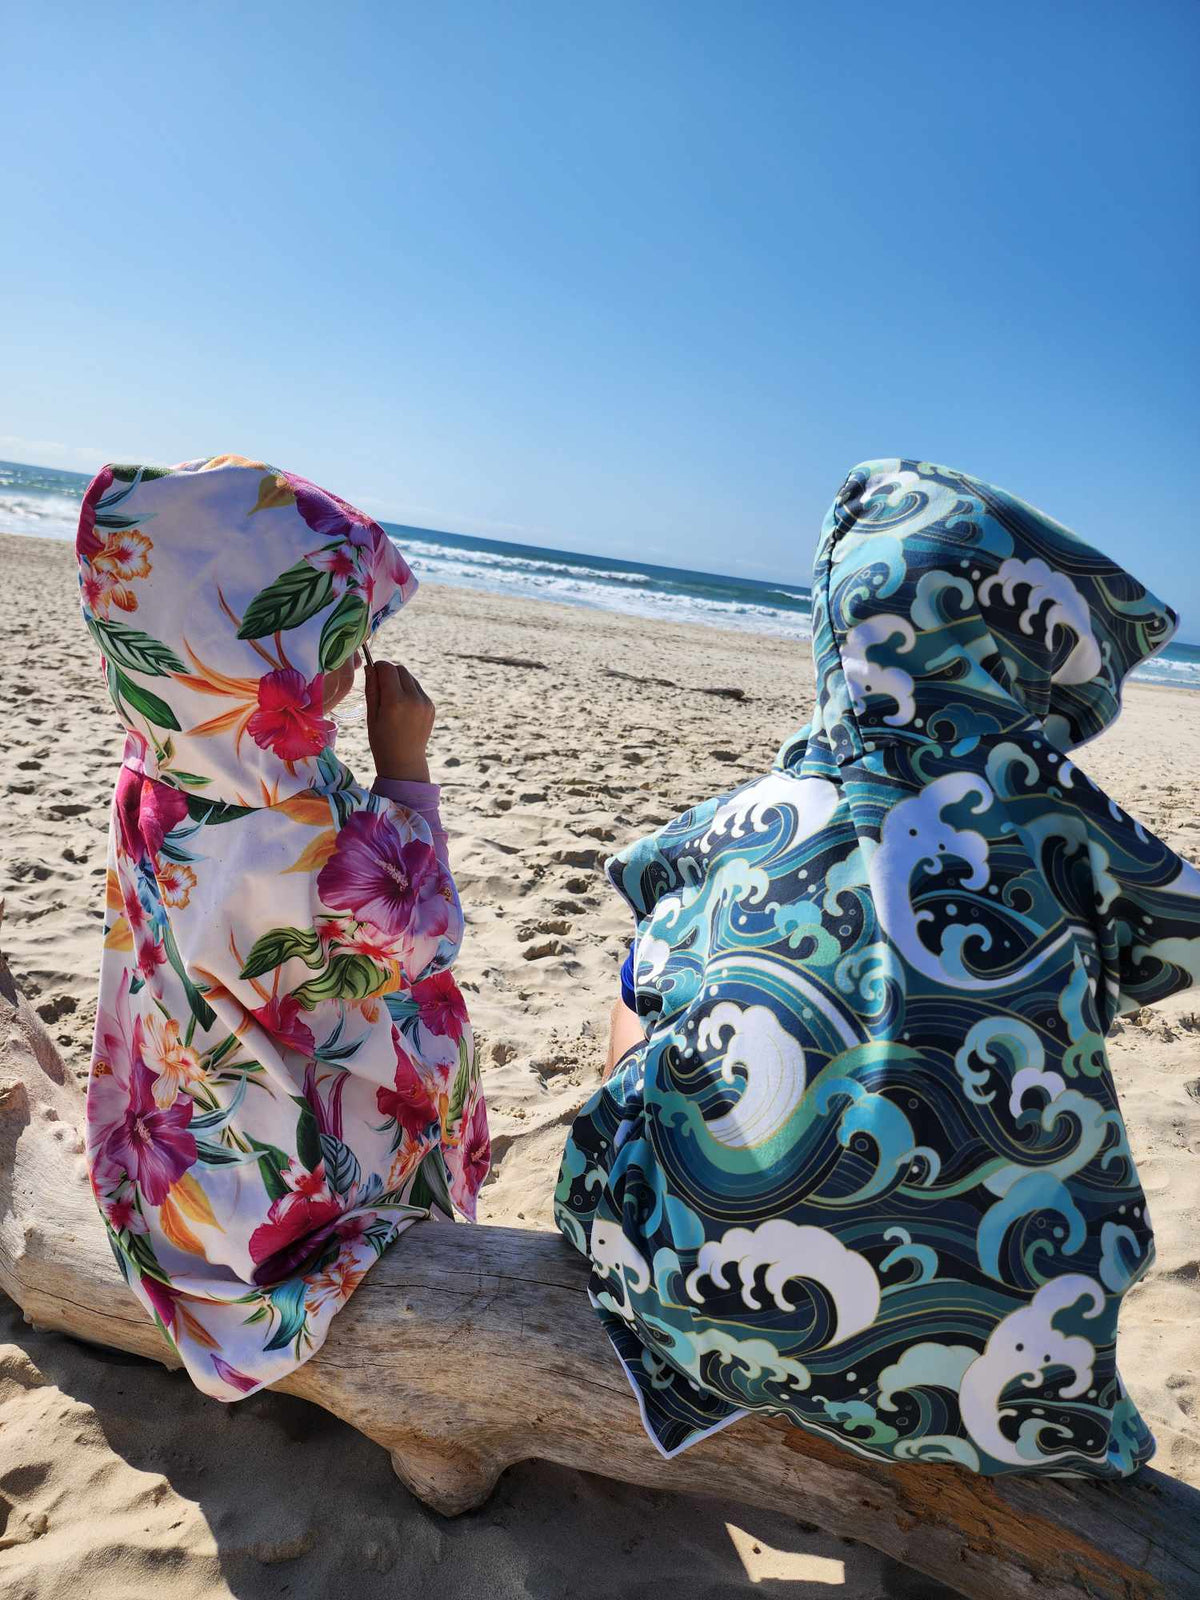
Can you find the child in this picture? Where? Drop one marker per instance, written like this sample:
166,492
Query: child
867,1169
284,1075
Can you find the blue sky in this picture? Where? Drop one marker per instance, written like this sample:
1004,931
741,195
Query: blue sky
643,279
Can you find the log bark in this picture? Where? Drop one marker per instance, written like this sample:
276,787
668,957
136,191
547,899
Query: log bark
532,1376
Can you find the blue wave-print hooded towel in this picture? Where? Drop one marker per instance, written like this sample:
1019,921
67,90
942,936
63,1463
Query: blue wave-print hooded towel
869,1171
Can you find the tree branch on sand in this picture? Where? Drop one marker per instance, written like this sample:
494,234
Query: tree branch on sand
533,1376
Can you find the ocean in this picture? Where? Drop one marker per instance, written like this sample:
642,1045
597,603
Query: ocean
45,501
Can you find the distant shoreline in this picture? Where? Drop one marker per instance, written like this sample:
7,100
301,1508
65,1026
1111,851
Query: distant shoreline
620,621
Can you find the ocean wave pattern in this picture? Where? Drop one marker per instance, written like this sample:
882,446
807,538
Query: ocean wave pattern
45,501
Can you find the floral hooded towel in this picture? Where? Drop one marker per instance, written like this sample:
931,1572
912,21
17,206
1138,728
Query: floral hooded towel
869,1171
283,1075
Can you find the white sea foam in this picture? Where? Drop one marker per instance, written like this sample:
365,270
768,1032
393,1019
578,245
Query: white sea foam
631,593
50,516
38,501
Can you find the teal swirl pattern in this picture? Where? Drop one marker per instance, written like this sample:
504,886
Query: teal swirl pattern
869,1171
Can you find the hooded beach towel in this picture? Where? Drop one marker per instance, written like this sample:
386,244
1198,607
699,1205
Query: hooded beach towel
869,1171
283,1075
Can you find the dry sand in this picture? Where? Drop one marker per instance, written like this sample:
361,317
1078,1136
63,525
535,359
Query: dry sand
118,1480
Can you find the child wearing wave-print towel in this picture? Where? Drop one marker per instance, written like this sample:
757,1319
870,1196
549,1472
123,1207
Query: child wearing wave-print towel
866,1168
284,1075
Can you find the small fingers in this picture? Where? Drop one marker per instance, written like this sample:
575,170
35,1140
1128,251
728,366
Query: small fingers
384,687
389,682
412,685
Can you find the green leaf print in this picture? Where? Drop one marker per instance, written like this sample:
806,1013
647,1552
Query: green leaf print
119,1255
213,812
200,1008
280,945
429,1185
296,595
190,780
463,1080
271,1162
288,1301
131,474
209,1154
341,1164
343,632
127,693
345,978
131,648
141,1253
308,1140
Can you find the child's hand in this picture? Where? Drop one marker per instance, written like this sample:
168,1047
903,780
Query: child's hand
399,721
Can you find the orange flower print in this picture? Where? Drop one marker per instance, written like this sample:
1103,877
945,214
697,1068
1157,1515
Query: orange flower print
102,589
175,882
126,555
174,1063
337,1282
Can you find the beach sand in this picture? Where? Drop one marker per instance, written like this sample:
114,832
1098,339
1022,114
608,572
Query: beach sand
118,1479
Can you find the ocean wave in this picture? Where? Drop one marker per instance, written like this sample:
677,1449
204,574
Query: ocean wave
50,516
584,586
45,502
1173,673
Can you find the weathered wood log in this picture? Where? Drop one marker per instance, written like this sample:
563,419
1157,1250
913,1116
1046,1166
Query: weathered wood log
466,1350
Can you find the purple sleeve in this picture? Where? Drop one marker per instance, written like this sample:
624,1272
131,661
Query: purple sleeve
423,799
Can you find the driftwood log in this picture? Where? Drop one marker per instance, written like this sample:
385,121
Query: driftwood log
532,1376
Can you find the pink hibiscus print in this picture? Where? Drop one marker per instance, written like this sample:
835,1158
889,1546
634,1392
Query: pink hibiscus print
87,543
295,1226
443,1009
409,1101
383,879
329,515
281,1019
472,1159
149,1142
151,952
124,1216
146,812
117,1037
390,567
288,720
342,564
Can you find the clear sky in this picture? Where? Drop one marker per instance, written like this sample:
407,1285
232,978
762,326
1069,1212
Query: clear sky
643,279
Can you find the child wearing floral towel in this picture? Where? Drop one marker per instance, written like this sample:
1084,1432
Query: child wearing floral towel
284,1075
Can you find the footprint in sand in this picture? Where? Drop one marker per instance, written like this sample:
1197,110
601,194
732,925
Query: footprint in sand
545,925
22,870
548,947
583,857
579,885
61,1005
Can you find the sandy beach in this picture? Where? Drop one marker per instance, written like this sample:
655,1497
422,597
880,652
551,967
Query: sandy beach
562,732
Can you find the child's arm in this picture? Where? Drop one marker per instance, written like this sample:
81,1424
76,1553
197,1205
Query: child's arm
399,722
400,718
423,799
